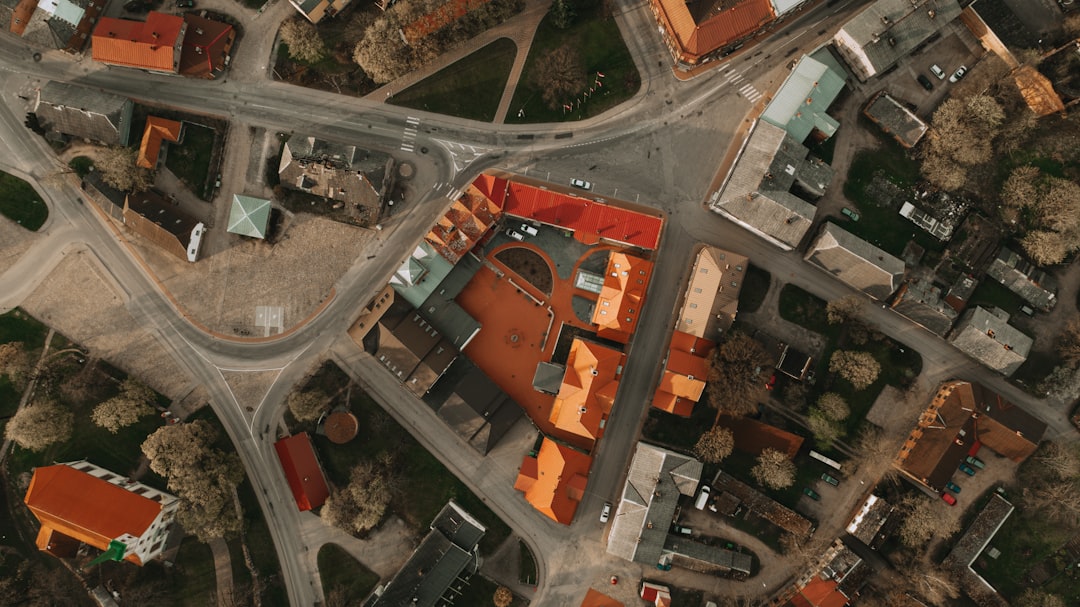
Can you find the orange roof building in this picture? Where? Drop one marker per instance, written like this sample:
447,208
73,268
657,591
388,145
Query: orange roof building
622,296
80,503
819,593
154,44
692,42
588,390
683,381
554,481
302,471
595,598
465,222
157,131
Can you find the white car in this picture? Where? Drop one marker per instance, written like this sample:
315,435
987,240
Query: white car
606,512
528,229
579,183
512,233
937,71
958,74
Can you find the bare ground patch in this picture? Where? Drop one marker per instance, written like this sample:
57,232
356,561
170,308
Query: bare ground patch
528,265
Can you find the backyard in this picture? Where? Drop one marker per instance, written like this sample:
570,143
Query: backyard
190,160
754,289
20,203
1029,543
343,574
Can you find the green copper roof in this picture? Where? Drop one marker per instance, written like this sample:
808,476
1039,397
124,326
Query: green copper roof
249,216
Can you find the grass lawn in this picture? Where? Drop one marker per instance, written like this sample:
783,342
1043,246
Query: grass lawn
881,223
754,288
991,293
888,230
601,48
261,546
803,308
679,433
470,88
17,325
526,565
195,570
338,568
190,159
1025,540
19,202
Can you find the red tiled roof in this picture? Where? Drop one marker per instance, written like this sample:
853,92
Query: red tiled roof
697,40
677,392
467,220
554,481
820,593
302,471
157,130
148,45
590,221
24,10
494,188
619,304
86,508
588,389
206,44
595,598
676,405
685,342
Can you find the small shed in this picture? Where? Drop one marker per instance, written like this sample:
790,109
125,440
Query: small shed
302,471
249,216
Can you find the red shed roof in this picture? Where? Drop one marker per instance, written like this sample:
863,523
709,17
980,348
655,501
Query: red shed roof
302,471
696,40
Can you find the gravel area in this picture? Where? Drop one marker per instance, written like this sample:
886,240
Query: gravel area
14,241
249,388
222,291
81,304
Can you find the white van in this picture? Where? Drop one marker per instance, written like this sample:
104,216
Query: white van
528,229
702,497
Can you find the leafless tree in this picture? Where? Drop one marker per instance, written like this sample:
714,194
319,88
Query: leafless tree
795,396
1063,383
857,367
503,597
1045,248
1058,501
840,311
560,74
774,469
833,406
1068,343
304,42
14,362
1061,460
126,408
307,406
39,425
119,170
736,369
923,522
1033,597
875,451
714,445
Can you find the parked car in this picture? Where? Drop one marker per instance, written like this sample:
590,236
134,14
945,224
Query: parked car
974,461
952,487
958,74
810,493
828,479
580,183
852,215
185,3
682,530
512,233
966,469
528,229
949,499
606,512
937,71
925,82
702,497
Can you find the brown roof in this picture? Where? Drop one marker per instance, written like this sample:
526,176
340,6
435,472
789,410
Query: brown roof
712,297
206,45
341,427
697,40
622,296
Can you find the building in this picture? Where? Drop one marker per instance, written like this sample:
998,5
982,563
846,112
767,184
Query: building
63,24
986,335
157,131
152,45
818,592
801,103
685,371
207,44
922,302
681,551
554,480
699,33
655,594
971,544
156,218
726,488
759,193
942,229
895,119
588,389
656,479
712,296
80,503
302,471
960,419
467,220
595,598
84,113
856,262
249,216
447,556
869,520
316,10
882,33
479,411
1024,278
622,296
346,174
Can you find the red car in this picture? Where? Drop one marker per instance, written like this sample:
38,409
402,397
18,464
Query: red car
949,499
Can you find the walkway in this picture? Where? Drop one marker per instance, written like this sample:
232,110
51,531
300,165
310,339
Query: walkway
222,570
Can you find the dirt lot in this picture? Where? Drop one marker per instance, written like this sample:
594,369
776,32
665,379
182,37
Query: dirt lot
222,291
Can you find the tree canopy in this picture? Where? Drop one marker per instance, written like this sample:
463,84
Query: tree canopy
857,367
1046,209
736,369
126,408
774,469
714,445
303,40
360,505
307,406
39,425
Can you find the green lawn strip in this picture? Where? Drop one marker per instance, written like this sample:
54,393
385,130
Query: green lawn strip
196,573
338,568
240,573
754,288
469,88
19,202
601,48
261,547
425,485
190,159
526,565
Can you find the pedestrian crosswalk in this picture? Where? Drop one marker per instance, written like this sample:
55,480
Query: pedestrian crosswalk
746,89
408,137
448,190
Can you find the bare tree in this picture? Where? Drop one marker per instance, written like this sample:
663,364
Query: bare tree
303,40
1062,461
714,445
503,597
126,408
875,450
774,469
1058,501
562,13
833,406
1033,597
560,74
857,367
14,362
39,425
1068,343
1063,383
119,170
362,503
736,368
845,309
962,135
923,522
795,396
307,406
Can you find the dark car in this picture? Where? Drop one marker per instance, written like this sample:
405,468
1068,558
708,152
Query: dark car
974,461
828,479
810,493
925,82
185,3
952,487
966,469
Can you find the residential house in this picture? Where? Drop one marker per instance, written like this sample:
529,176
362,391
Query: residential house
467,220
622,296
686,369
80,503
316,10
886,30
207,44
712,296
655,594
156,218
697,33
85,113
800,106
554,480
753,436
345,174
447,556
767,189
1024,278
869,520
727,488
972,543
157,131
152,45
685,553
986,335
595,598
856,262
587,394
895,119
249,216
654,483
63,24
302,471
922,302
960,419
818,592
479,411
